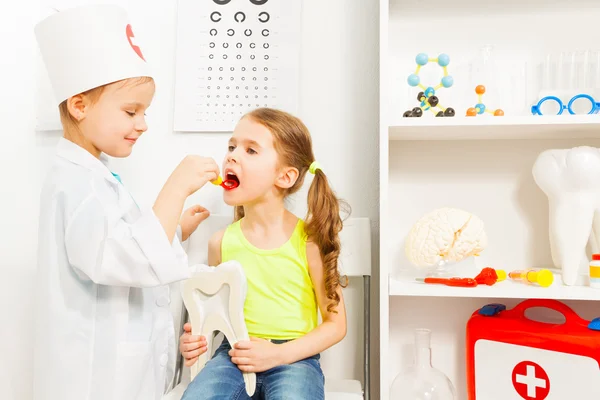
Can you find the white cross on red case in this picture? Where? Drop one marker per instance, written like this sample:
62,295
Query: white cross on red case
530,381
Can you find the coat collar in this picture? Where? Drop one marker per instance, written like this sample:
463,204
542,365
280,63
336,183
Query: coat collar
78,155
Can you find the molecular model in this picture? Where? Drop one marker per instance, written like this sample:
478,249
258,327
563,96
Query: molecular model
428,99
480,107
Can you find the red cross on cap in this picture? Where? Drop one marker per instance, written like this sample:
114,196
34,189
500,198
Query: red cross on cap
131,40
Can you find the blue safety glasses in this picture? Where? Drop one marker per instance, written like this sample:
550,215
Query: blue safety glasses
584,102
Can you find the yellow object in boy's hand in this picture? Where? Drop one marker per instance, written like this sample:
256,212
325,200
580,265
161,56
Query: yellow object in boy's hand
227,184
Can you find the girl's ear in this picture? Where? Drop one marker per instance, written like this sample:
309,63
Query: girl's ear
287,177
78,106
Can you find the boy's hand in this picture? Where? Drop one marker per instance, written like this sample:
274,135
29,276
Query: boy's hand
256,355
190,219
192,173
191,347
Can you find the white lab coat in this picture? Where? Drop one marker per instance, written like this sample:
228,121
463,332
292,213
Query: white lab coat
103,326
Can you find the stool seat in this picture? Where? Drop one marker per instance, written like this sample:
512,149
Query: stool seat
176,393
334,390
344,389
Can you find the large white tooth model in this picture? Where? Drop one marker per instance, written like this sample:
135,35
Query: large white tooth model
571,180
445,235
214,298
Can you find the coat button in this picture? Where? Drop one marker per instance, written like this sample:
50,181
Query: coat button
163,301
163,360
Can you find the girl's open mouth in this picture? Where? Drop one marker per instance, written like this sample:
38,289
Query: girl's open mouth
231,181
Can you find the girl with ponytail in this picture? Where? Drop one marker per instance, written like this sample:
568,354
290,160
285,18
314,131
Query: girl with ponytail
291,265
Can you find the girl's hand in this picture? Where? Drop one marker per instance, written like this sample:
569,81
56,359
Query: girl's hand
191,218
191,347
256,355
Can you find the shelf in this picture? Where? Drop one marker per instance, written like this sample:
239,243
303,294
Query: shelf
498,128
505,289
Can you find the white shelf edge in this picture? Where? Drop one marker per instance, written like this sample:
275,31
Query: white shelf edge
380,388
497,128
504,289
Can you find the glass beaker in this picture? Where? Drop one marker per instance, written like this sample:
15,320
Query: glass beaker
422,381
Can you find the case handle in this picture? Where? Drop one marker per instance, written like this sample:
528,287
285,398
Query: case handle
570,315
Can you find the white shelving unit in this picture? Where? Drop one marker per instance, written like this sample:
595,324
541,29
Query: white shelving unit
480,164
504,128
502,290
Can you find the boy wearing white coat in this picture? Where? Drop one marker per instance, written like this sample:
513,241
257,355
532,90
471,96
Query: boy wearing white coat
103,327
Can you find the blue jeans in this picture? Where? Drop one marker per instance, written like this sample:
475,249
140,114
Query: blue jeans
221,379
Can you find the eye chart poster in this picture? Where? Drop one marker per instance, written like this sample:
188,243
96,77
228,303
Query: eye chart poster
234,56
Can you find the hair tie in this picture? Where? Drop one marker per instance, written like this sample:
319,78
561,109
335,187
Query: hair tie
314,167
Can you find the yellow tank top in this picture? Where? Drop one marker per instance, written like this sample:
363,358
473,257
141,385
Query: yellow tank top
280,301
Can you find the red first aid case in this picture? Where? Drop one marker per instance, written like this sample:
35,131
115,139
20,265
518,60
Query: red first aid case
511,357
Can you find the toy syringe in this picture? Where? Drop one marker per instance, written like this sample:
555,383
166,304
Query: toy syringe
542,277
227,184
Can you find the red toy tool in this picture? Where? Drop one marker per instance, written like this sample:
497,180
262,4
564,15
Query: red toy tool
489,276
460,282
226,184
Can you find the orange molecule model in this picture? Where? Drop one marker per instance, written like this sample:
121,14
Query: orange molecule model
480,108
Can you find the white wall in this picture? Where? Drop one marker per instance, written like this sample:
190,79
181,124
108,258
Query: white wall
339,103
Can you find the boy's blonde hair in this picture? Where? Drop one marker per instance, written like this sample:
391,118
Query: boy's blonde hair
293,144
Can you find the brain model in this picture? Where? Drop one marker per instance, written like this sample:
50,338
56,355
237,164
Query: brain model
445,234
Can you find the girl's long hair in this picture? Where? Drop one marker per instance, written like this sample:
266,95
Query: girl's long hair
293,144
